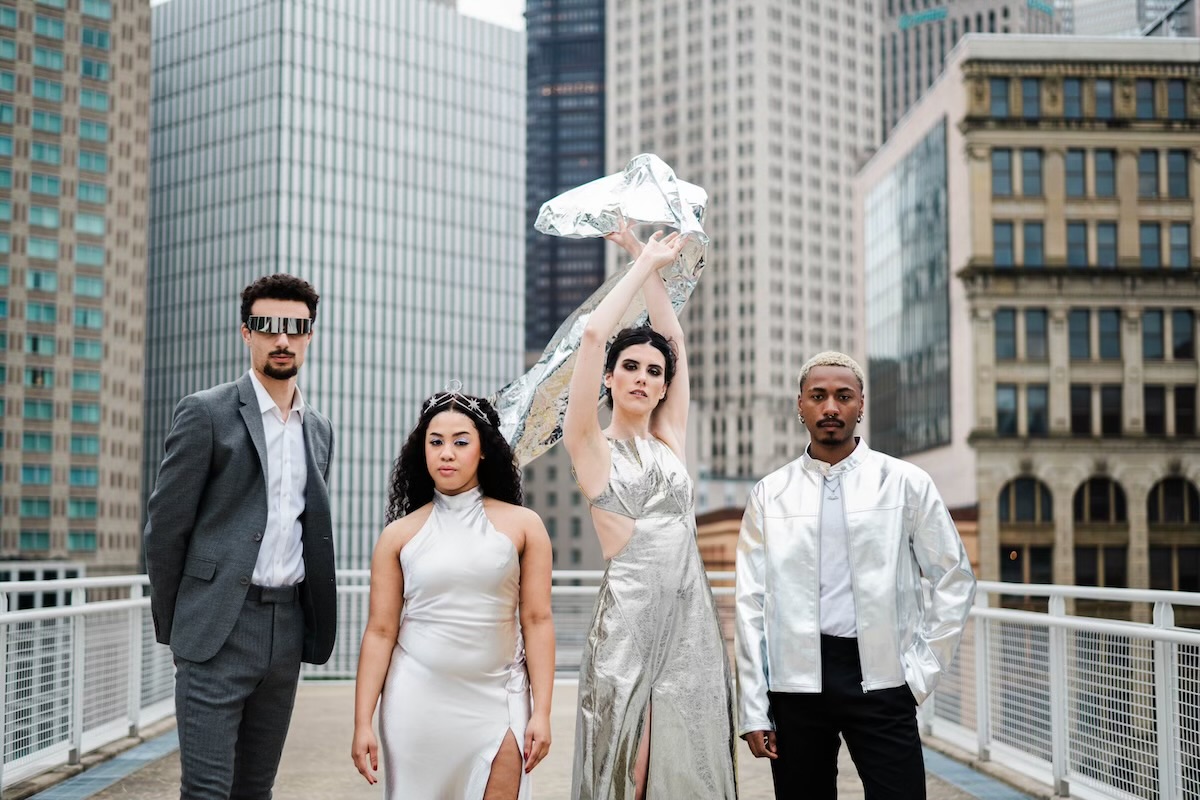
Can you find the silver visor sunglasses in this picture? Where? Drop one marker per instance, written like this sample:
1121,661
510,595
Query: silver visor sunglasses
292,326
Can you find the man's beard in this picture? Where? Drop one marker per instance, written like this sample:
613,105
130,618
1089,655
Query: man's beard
280,373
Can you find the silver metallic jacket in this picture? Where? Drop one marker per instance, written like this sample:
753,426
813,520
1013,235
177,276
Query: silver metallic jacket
898,529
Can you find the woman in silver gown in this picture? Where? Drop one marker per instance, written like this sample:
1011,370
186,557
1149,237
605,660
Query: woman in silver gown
459,633
655,702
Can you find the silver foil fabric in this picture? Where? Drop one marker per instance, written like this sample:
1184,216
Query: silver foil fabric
654,645
531,408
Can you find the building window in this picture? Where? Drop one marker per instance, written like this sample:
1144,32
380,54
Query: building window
8,17
1173,501
1079,324
1150,243
93,69
1035,334
1148,173
1177,174
89,255
88,286
93,162
34,540
39,280
89,318
37,442
94,37
1110,334
1152,334
1176,99
1034,255
1183,334
1006,409
1168,561
46,58
1031,173
36,475
1076,179
1006,334
999,87
93,100
41,313
85,381
92,193
85,412
44,184
1037,412
1145,99
8,50
82,445
44,153
1031,96
42,410
1100,501
1001,172
1080,410
49,27
1100,566
1104,98
43,217
1106,245
1181,245
39,377
92,224
1185,410
1110,410
1026,500
42,248
81,540
88,349
1002,237
1154,404
93,131
1021,563
1073,98
1106,173
101,9
1077,249
47,90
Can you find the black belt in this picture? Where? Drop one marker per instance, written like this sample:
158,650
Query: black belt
271,594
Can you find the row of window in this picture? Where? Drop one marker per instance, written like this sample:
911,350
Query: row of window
47,249
100,9
41,344
79,541
1172,568
1005,173
43,378
44,89
49,217
1095,410
51,122
1157,343
47,153
1177,253
55,61
1078,93
41,442
56,28
47,314
1171,501
43,411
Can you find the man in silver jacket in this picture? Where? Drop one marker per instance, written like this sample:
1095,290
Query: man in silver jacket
834,634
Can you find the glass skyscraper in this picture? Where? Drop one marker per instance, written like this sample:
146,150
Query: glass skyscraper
376,149
565,149
74,119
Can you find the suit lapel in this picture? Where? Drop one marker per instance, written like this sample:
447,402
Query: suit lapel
252,414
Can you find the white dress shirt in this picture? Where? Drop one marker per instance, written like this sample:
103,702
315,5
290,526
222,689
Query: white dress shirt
281,555
838,617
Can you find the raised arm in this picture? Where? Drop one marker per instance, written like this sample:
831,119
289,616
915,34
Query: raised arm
537,628
581,427
379,639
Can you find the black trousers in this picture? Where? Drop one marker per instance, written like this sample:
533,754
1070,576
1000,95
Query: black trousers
880,729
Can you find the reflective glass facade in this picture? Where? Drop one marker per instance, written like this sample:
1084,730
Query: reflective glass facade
376,149
565,149
908,303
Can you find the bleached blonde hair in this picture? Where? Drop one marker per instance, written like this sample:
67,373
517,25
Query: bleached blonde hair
832,358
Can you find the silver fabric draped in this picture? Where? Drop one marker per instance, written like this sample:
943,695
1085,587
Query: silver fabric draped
654,645
531,408
457,683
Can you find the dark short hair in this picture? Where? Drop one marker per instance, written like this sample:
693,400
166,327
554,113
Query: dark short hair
411,486
640,334
280,286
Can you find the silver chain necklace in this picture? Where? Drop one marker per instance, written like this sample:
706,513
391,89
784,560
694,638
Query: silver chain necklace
831,485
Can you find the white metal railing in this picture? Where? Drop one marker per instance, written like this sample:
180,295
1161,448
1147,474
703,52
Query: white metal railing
1106,708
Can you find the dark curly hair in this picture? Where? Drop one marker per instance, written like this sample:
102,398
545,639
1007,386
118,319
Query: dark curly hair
411,484
640,334
280,286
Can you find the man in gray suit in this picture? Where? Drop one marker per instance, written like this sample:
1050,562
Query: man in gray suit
239,550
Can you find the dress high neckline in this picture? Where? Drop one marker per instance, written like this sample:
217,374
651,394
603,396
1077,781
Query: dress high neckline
457,502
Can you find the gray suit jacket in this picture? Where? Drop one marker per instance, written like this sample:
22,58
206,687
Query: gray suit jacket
207,515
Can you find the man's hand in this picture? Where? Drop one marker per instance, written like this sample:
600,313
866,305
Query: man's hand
762,744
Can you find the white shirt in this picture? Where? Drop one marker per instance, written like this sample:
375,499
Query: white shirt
281,554
838,616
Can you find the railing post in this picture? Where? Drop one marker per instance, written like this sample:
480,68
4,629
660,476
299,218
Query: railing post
983,682
3,683
1058,699
136,590
1166,695
78,655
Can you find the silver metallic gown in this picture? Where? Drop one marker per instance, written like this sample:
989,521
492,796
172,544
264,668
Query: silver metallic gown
655,644
457,684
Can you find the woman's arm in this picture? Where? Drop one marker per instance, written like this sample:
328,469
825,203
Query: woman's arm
581,427
379,639
671,416
537,627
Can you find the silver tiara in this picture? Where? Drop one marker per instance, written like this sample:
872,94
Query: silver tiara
453,394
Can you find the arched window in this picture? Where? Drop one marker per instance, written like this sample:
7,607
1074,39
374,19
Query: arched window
1100,501
1173,501
1025,500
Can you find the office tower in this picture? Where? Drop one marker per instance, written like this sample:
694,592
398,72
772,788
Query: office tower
565,148
769,107
1180,18
375,150
1061,271
74,118
914,39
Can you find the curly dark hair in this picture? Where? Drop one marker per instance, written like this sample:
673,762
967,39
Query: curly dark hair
639,334
280,286
411,484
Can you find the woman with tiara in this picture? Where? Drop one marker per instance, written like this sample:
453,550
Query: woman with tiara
459,633
655,702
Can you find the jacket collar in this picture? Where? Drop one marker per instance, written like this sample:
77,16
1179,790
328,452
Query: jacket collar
860,454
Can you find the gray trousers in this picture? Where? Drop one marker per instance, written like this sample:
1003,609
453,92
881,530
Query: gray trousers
233,710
